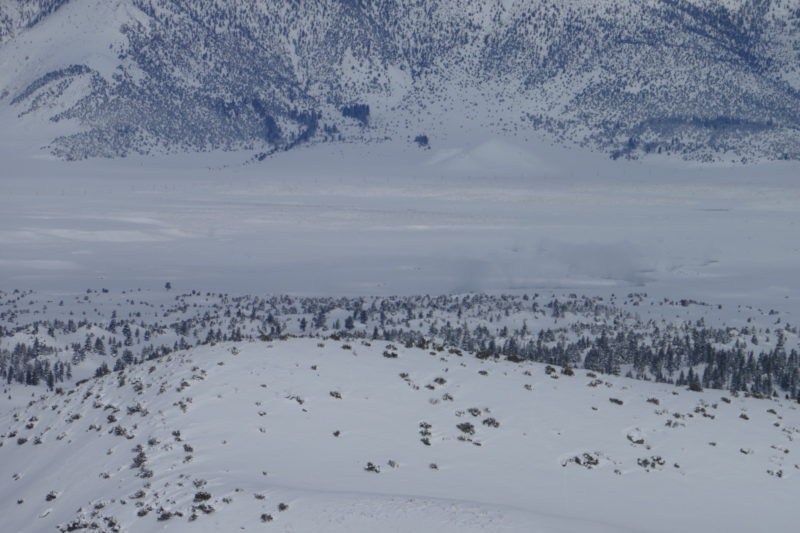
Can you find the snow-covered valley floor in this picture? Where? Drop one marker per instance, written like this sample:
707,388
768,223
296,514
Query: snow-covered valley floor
364,437
469,215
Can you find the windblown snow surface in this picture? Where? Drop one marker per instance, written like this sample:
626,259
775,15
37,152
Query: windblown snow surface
319,435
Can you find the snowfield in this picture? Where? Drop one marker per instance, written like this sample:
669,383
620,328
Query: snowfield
390,218
319,435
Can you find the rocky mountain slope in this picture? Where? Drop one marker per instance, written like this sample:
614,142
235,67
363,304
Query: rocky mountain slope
700,79
325,435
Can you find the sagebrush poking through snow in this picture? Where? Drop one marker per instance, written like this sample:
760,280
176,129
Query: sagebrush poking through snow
194,461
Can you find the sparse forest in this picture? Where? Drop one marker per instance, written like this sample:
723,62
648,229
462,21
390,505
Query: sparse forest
43,341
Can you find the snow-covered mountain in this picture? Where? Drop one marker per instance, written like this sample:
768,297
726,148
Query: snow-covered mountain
324,435
703,79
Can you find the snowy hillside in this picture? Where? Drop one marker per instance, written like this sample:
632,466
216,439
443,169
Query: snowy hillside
323,435
699,79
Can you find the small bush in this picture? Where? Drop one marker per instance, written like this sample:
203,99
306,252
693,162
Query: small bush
466,428
139,460
491,422
204,508
202,496
635,440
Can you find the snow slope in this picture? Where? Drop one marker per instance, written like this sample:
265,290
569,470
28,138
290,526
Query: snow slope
219,437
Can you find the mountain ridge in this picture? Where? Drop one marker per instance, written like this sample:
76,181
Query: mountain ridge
696,79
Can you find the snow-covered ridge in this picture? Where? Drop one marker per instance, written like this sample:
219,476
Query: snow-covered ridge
324,435
49,342
695,78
